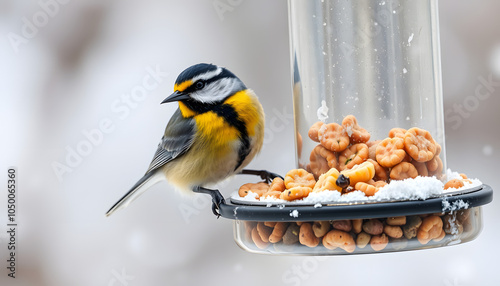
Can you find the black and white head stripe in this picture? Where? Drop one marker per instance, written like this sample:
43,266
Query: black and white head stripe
210,83
217,90
207,75
195,71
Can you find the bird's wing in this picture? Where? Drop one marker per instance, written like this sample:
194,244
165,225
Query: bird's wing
178,138
142,185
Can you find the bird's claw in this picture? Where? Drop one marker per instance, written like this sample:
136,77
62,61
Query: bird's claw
264,175
269,176
217,200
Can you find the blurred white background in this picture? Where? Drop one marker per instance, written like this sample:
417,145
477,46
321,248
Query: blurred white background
74,71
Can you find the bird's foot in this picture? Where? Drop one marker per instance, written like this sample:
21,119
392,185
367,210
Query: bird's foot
217,198
264,175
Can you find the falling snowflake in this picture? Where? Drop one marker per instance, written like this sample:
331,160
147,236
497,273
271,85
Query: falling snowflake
487,150
410,39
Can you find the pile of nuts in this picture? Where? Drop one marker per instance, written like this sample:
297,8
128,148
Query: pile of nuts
403,154
346,160
357,234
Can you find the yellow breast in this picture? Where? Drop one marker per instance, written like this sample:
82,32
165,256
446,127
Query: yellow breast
216,147
248,108
217,134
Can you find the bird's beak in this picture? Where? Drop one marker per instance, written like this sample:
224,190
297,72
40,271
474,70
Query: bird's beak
176,96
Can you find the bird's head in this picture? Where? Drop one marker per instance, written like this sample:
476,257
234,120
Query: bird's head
203,85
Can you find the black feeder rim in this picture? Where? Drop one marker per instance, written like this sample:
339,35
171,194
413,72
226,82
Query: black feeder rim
478,197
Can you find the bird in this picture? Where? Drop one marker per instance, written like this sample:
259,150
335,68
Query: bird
216,131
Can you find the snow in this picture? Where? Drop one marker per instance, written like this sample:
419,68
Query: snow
349,130
322,111
456,205
450,175
420,188
410,39
321,130
252,196
453,226
294,213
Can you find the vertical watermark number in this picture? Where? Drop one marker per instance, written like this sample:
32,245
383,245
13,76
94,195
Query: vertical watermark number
11,221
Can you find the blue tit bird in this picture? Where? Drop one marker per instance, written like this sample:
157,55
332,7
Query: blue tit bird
216,131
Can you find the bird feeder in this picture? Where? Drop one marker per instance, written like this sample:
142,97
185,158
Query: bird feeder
378,61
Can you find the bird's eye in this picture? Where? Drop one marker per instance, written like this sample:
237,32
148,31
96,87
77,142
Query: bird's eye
200,85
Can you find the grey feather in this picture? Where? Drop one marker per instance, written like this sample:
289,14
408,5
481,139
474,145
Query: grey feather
142,185
178,138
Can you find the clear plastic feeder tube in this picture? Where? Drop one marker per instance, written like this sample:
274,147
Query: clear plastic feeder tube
377,60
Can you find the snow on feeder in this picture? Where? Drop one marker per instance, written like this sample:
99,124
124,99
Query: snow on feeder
371,159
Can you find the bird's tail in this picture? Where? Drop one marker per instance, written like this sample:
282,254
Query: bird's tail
142,185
